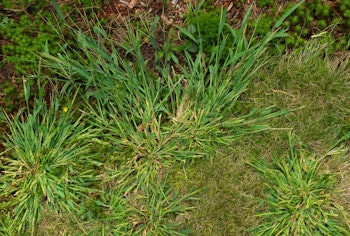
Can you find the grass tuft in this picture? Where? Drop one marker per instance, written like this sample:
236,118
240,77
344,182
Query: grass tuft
299,196
47,162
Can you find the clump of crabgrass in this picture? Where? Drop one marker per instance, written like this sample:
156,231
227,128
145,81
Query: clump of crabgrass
47,162
298,196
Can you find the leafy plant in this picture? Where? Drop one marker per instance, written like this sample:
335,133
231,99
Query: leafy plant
25,37
264,3
306,21
298,196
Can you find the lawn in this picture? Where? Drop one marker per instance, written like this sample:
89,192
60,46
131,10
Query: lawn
138,126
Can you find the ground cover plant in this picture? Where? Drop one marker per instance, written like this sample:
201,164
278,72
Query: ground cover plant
26,26
120,156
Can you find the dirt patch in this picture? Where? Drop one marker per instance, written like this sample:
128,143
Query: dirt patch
7,72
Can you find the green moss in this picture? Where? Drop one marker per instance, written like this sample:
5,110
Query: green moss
25,38
264,3
302,22
205,27
264,25
27,34
322,24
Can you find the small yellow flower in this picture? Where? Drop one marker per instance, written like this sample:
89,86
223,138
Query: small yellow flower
65,109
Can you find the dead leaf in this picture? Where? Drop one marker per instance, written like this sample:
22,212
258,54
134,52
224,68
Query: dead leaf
230,7
132,4
140,127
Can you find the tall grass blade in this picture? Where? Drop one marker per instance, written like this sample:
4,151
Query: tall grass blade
59,11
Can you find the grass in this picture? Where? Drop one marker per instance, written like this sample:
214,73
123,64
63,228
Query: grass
313,85
164,149
45,152
299,197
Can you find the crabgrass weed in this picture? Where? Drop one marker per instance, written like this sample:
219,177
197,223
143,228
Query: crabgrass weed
299,196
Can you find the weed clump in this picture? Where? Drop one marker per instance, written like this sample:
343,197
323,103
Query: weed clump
48,164
298,196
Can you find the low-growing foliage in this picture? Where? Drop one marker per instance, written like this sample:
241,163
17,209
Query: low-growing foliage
27,27
203,26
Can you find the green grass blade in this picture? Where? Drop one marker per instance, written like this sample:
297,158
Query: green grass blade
285,15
